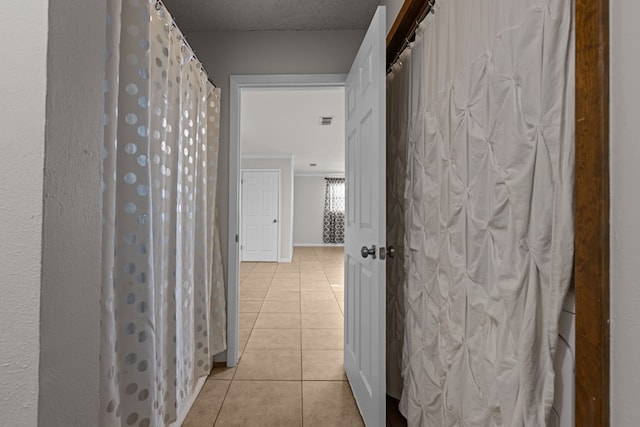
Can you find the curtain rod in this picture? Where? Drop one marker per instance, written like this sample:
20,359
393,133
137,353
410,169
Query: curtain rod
404,29
159,4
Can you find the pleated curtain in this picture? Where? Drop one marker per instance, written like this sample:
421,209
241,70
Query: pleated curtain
163,302
483,122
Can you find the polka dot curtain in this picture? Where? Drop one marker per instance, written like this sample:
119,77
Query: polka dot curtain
485,127
163,302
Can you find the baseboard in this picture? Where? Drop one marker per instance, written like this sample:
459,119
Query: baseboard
189,403
283,260
318,244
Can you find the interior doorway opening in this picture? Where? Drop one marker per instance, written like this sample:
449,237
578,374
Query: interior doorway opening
261,86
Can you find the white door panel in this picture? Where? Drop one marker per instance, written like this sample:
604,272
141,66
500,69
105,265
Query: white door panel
364,350
260,216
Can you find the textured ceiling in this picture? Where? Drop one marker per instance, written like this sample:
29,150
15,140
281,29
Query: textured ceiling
287,121
271,15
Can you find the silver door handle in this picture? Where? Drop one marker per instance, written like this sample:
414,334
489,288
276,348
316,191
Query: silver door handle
391,251
365,252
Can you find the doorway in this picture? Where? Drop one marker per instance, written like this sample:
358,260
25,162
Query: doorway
290,313
237,85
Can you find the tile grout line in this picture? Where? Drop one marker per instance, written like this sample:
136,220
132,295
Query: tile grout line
301,357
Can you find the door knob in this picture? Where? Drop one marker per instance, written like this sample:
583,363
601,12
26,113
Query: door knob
275,220
365,252
391,251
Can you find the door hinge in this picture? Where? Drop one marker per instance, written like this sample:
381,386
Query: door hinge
236,238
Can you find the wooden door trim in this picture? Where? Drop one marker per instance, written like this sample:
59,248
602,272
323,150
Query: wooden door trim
591,264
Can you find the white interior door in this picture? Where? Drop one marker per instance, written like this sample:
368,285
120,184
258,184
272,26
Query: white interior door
364,349
260,216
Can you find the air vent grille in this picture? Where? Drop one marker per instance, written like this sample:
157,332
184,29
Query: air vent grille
326,120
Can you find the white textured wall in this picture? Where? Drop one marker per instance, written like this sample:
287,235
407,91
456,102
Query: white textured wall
285,166
393,7
22,120
308,210
71,253
264,52
625,212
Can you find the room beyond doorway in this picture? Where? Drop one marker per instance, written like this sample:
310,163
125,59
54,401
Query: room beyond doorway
261,83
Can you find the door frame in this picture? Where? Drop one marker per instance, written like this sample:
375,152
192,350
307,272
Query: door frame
278,237
237,83
591,262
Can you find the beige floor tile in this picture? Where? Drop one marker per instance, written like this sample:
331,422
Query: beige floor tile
288,276
340,297
311,276
278,321
322,339
334,272
329,403
205,409
255,286
283,296
284,287
337,287
315,287
288,268
311,266
252,295
257,278
247,320
322,321
320,306
221,371
280,307
318,296
323,365
261,275
244,338
246,267
269,365
263,267
284,339
262,403
250,306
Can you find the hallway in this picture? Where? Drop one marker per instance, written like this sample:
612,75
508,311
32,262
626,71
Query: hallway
291,339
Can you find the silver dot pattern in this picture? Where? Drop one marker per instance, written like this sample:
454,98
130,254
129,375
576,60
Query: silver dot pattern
163,303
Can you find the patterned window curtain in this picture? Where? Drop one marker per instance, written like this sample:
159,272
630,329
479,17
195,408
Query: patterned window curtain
163,300
333,227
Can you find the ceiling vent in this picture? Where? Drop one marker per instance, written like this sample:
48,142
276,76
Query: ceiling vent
326,120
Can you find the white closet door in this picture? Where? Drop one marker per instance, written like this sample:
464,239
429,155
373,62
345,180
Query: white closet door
260,216
364,346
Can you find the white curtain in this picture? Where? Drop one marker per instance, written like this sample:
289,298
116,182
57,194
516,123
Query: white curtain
488,94
396,174
163,312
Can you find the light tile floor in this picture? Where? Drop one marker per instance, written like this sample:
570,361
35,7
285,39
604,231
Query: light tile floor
291,340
